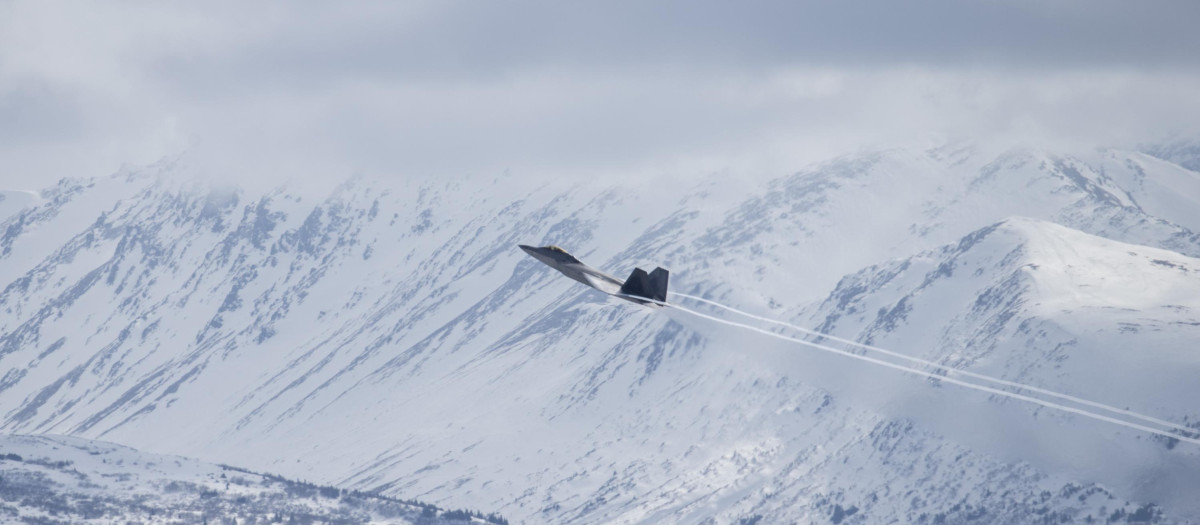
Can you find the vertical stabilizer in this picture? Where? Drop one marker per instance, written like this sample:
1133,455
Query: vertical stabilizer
651,286
658,284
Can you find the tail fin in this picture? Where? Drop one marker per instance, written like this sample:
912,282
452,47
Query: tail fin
651,286
658,283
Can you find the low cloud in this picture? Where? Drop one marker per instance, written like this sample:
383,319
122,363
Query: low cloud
296,90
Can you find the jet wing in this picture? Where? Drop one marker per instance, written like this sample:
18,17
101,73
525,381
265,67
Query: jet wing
603,285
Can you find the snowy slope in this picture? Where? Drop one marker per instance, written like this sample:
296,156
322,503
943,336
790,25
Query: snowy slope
1051,307
393,337
1182,151
13,202
57,479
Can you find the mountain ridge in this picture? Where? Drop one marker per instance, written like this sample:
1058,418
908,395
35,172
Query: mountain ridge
394,327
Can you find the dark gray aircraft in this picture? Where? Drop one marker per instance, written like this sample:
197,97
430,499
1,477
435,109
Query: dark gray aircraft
652,286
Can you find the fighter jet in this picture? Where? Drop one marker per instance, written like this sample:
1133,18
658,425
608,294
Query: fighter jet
652,286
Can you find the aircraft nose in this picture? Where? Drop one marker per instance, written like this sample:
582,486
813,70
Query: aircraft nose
534,251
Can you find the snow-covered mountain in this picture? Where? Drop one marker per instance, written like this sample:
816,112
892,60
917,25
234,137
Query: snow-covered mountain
57,479
12,202
1051,307
391,337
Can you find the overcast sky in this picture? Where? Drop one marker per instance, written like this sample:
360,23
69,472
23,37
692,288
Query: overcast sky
567,89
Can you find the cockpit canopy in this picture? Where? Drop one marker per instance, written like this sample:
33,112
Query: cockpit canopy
562,253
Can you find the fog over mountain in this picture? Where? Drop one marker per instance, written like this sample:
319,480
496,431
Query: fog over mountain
311,92
278,242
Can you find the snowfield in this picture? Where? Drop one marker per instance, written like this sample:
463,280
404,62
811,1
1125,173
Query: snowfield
392,337
57,479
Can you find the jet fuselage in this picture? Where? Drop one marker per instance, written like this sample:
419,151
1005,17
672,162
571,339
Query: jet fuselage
569,266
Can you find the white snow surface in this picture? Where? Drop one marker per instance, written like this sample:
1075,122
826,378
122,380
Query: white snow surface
59,479
393,337
14,201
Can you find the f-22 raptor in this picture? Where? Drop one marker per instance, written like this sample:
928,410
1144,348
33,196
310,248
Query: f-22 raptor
640,285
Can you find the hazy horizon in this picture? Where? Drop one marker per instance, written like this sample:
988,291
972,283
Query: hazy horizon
278,91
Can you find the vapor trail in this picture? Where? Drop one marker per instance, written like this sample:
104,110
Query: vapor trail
981,388
948,369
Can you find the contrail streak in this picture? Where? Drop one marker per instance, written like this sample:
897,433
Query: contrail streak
949,369
981,388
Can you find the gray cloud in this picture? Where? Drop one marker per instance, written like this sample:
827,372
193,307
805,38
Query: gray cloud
440,40
301,89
